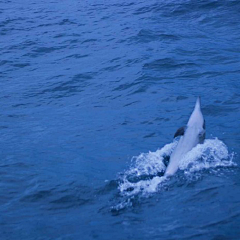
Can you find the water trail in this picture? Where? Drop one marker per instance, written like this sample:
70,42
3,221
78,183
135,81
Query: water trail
145,175
146,171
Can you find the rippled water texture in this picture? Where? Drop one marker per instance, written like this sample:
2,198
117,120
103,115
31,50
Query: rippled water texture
88,85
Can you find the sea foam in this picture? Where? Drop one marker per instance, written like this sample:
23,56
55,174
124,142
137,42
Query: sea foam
145,175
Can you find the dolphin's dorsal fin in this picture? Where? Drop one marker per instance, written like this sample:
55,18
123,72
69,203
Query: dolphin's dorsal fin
180,131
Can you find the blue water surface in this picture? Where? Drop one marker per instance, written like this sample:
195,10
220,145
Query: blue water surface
88,85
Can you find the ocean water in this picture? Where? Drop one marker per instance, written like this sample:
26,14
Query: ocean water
92,93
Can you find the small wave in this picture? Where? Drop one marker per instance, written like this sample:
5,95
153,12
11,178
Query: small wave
145,175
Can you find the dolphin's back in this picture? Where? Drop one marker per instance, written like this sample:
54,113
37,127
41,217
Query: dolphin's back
192,135
185,144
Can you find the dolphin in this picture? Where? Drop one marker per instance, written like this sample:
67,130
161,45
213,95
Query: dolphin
191,135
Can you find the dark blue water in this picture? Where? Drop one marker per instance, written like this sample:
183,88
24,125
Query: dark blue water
88,85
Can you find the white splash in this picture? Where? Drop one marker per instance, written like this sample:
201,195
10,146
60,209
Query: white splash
213,153
143,176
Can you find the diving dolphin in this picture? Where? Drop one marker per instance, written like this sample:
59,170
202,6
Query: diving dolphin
191,135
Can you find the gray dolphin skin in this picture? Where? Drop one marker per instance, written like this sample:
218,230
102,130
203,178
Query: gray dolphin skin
191,135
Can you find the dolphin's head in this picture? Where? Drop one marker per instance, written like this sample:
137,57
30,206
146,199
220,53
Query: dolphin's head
196,119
